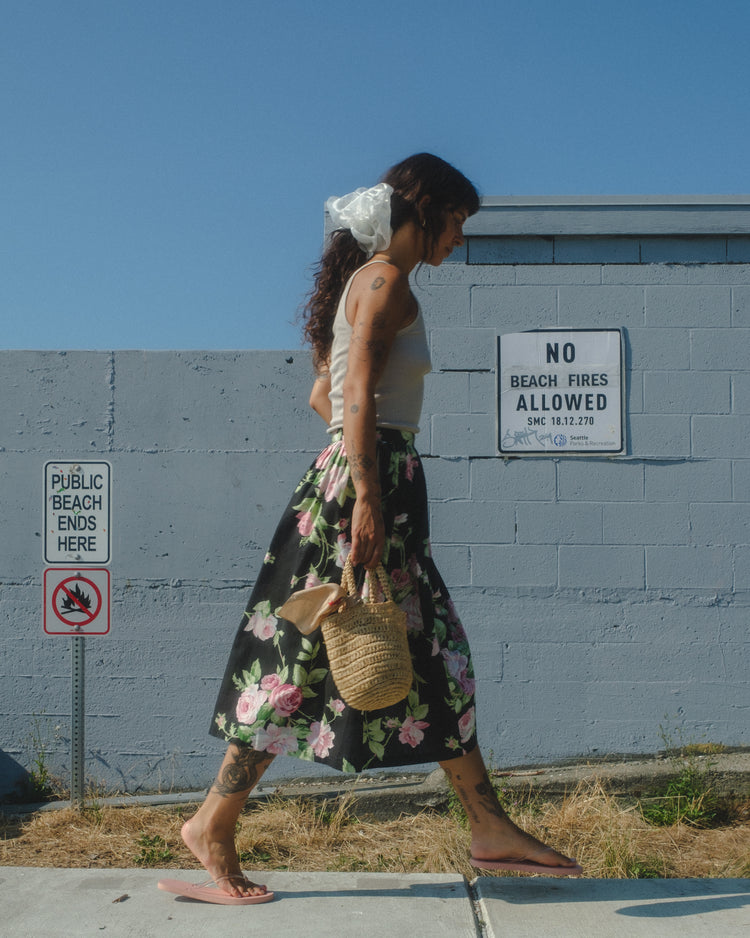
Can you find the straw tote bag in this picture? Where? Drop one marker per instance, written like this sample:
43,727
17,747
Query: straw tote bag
367,646
366,640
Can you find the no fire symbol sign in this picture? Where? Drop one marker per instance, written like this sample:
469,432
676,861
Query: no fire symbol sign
76,602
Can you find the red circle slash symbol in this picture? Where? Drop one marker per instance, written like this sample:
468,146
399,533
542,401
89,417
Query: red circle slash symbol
76,605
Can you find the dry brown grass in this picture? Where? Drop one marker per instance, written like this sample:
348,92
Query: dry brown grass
610,840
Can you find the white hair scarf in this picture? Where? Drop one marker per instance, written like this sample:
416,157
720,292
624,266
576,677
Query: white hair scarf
367,214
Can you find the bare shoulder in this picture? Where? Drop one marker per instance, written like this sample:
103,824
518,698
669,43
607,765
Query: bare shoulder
380,289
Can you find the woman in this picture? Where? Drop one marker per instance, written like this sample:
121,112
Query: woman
365,495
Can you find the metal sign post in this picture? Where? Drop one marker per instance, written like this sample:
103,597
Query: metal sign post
78,674
77,514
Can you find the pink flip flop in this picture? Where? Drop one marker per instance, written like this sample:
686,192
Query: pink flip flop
526,866
209,892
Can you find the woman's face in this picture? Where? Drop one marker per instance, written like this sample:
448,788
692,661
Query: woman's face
452,236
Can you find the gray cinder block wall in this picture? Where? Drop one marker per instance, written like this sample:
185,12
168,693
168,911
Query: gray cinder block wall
605,596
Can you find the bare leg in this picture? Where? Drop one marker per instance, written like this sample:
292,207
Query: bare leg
493,835
209,833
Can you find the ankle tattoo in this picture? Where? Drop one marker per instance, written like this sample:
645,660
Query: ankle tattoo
243,773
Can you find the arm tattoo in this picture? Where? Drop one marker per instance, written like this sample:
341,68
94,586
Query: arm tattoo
377,283
360,464
376,347
354,409
242,774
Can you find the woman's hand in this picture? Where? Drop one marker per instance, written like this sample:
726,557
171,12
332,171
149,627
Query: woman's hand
368,532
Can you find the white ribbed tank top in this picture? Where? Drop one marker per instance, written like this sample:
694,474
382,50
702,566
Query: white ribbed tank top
399,392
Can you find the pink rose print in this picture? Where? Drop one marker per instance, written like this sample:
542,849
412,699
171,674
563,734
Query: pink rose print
305,523
413,612
270,681
400,519
249,703
338,706
466,725
457,665
343,549
221,721
334,481
262,626
412,732
285,699
312,580
401,579
321,738
435,646
324,456
411,464
278,740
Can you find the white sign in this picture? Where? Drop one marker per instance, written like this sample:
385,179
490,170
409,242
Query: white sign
77,512
560,391
76,602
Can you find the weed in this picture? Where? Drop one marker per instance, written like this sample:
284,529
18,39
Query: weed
688,798
154,851
41,783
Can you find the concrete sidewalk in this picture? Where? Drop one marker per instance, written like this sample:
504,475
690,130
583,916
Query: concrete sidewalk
52,903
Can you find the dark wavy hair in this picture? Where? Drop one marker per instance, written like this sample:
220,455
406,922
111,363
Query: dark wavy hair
412,179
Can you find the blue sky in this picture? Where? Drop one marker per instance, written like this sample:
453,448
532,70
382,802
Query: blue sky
164,164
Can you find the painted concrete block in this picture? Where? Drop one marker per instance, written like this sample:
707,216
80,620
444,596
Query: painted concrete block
597,250
557,274
579,523
600,480
445,392
686,393
463,349
472,522
720,524
738,249
688,306
644,273
483,393
213,400
726,274
741,305
447,477
454,563
658,349
707,480
687,250
514,565
742,572
514,309
55,397
601,307
464,435
689,568
523,479
741,394
646,523
719,349
724,437
445,306
659,436
510,250
741,480
603,566
466,276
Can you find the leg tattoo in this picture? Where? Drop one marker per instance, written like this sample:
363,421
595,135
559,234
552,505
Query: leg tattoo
243,773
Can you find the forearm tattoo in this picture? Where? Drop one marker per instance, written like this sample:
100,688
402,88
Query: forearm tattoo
360,464
243,773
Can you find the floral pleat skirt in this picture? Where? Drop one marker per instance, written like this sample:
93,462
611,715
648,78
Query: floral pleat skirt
278,695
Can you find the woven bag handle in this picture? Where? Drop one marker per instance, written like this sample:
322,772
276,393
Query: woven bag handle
347,581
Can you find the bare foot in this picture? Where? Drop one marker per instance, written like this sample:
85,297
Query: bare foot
219,856
506,842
